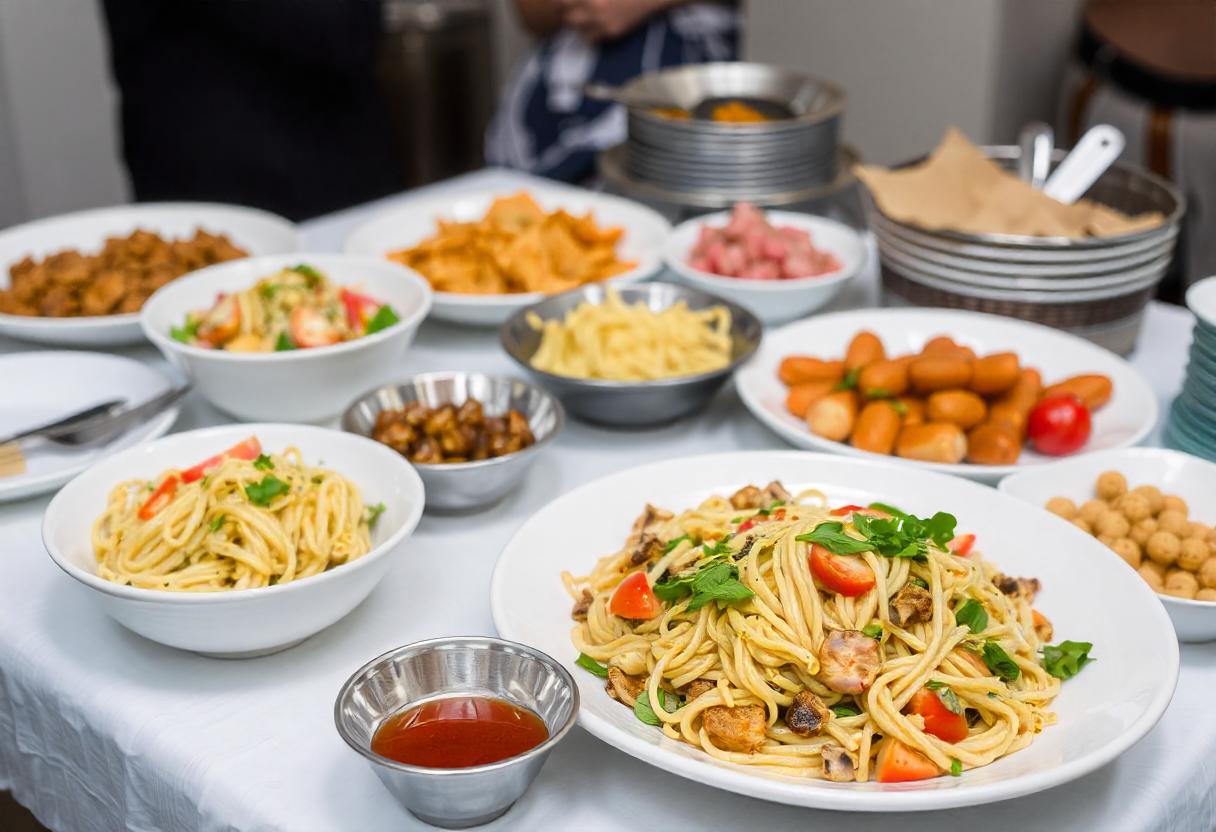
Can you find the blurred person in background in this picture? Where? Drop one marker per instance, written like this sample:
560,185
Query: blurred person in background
544,123
271,103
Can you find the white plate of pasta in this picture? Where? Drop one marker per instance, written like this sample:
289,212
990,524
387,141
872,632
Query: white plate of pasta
779,673
237,540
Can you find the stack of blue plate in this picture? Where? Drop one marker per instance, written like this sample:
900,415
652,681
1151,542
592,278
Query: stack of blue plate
1192,423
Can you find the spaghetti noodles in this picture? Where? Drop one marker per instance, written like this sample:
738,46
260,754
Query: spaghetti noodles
781,635
240,523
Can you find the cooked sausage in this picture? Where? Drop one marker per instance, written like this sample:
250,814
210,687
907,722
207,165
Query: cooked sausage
848,661
1093,389
864,350
994,443
931,372
960,407
807,714
913,410
736,729
911,604
749,496
932,442
877,426
884,378
697,687
943,346
801,396
1009,416
1015,404
833,416
581,606
994,374
795,369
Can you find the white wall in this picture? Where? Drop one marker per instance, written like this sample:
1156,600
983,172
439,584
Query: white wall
57,115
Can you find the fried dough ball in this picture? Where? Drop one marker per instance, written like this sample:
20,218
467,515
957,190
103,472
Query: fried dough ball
1181,584
1205,594
1156,568
1172,521
1106,540
1083,525
1163,548
1192,554
1172,502
1091,510
1110,485
1062,506
1207,573
1197,530
1113,524
1153,494
1129,550
1143,530
1134,506
1151,576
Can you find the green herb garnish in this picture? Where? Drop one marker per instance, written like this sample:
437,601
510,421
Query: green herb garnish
999,662
832,537
373,514
383,319
186,332
591,665
217,522
849,381
879,393
263,463
872,630
843,710
1065,660
956,767
644,711
313,276
972,614
714,582
920,582
262,493
949,700
284,343
670,545
900,407
718,549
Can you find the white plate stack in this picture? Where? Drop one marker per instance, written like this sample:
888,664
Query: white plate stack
1094,287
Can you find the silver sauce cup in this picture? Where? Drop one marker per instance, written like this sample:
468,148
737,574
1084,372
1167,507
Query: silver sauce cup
456,798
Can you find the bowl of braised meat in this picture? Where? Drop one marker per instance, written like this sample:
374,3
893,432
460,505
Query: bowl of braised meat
471,437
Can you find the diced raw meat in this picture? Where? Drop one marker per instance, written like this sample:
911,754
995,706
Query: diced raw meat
751,248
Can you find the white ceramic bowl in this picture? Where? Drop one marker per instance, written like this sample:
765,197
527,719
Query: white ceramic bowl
296,385
244,622
1191,478
1125,420
772,301
1103,711
258,232
414,220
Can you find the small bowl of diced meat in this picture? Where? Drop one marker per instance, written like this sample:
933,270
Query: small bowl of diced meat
780,265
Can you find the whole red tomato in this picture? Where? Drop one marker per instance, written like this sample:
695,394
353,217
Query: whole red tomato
1059,425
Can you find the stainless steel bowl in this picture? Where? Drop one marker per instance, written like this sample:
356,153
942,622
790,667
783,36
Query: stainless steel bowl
456,798
461,486
631,403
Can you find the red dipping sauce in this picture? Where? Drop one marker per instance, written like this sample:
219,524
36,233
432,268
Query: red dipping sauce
458,732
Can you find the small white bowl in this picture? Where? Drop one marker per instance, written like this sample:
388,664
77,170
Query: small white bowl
414,220
305,385
772,301
257,232
1191,478
247,622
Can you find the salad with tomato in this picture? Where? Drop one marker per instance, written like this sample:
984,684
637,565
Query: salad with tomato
296,308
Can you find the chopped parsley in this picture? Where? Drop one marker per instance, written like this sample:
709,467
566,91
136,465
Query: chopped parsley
313,276
956,767
384,318
263,493
186,332
372,514
1065,660
849,381
217,522
591,665
872,630
284,343
263,463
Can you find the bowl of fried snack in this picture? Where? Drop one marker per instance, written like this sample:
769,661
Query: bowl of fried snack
1153,508
471,437
488,254
81,279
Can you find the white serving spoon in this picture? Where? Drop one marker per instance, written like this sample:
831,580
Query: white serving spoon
1093,154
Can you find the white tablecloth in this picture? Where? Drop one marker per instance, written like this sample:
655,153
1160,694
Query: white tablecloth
101,730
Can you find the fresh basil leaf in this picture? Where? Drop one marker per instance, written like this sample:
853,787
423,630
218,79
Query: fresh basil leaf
373,514
591,665
284,343
186,332
674,587
263,463
956,767
849,381
872,630
950,700
262,493
718,582
1065,660
999,662
832,537
385,317
644,710
670,545
843,710
973,615
217,522
718,549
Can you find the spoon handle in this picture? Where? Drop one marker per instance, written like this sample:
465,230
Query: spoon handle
64,424
1094,153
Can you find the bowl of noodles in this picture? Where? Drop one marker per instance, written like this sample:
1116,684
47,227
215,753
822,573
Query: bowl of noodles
238,540
632,356
287,337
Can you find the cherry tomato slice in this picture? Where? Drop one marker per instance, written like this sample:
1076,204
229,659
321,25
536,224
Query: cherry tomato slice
899,764
159,498
745,525
846,575
849,509
309,328
940,721
247,449
359,308
962,544
222,323
634,599
1059,425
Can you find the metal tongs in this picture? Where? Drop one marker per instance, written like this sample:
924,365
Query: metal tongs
99,422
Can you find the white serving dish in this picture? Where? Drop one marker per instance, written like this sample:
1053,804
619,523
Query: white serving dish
773,301
39,387
244,622
1125,420
1103,711
413,221
301,385
258,232
1191,478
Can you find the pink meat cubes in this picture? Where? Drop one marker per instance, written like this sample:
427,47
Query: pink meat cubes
751,248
